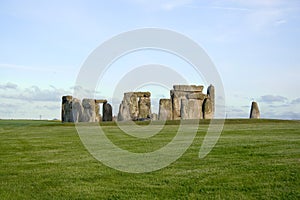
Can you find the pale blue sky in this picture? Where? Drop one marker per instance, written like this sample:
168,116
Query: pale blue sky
254,45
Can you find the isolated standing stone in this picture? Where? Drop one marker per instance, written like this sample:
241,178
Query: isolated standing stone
254,112
66,109
207,109
165,109
107,112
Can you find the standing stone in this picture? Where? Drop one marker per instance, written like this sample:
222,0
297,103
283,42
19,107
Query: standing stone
211,94
124,114
254,112
144,108
129,108
89,114
207,109
77,110
191,109
66,109
165,109
176,97
107,112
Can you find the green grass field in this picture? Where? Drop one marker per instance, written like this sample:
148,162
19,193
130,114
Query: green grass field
253,159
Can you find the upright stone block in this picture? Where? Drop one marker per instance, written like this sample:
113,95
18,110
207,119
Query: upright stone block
107,112
207,109
89,114
144,108
165,109
176,97
254,112
77,110
124,114
191,109
66,109
211,95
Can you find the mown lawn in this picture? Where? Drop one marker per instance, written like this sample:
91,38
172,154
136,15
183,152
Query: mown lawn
253,159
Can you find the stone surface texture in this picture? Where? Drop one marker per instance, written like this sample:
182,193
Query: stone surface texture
165,109
107,112
207,109
135,106
254,112
187,102
87,110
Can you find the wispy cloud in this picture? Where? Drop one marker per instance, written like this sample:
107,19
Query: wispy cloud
8,86
273,99
33,93
296,101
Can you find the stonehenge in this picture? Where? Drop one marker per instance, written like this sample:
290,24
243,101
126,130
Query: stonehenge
185,102
254,112
87,110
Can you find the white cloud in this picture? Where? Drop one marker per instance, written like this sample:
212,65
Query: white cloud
272,99
296,101
8,86
33,93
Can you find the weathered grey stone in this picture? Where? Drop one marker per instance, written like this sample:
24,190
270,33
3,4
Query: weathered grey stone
188,88
107,112
129,108
154,117
191,109
135,106
211,95
87,110
142,94
165,109
77,110
100,101
176,97
124,114
132,102
88,114
207,109
254,112
196,95
144,108
66,109
97,111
